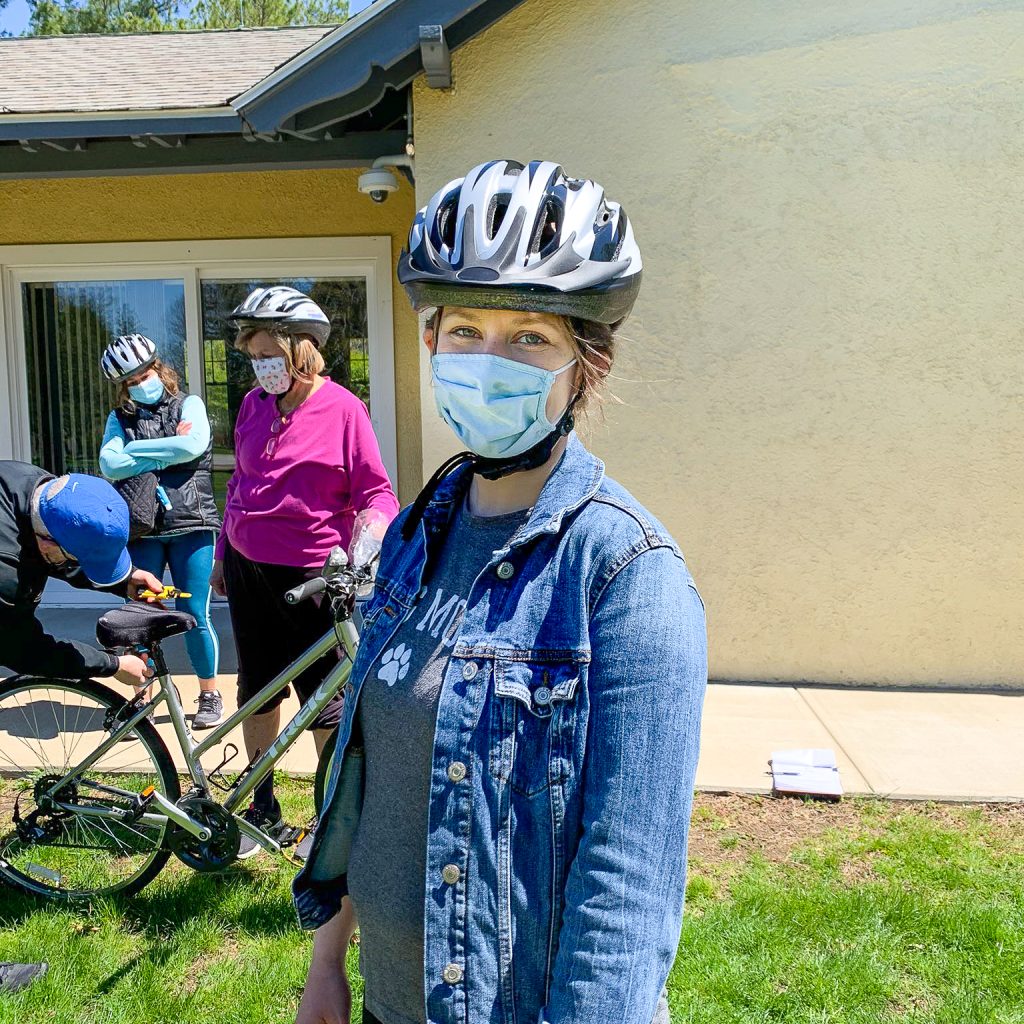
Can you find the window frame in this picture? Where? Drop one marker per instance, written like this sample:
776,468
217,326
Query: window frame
192,261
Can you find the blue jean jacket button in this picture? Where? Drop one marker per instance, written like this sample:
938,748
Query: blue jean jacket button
542,696
505,571
469,671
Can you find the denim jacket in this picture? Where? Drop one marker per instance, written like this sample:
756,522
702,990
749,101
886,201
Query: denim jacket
565,751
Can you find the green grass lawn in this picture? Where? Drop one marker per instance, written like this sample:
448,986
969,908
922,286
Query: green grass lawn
797,912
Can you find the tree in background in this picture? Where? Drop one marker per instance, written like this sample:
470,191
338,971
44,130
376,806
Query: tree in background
262,13
105,17
64,17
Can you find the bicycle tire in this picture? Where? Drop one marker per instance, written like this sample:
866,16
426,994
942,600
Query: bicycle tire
323,771
163,771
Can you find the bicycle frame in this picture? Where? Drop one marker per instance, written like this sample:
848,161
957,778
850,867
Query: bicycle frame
343,631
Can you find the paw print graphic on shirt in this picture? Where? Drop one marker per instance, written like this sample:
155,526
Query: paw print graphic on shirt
394,664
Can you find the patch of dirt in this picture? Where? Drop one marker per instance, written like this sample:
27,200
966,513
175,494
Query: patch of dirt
728,830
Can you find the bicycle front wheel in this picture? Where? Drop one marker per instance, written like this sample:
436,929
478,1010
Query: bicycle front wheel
63,831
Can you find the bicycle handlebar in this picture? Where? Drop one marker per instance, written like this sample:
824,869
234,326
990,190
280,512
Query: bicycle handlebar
305,590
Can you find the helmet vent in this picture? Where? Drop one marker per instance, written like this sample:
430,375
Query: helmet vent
548,228
496,213
446,223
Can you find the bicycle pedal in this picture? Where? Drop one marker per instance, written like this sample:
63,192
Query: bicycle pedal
292,838
142,801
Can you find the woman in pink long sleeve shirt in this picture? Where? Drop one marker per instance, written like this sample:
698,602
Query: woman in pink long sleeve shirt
306,463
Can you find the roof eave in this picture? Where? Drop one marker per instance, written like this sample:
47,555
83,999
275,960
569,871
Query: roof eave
354,65
105,124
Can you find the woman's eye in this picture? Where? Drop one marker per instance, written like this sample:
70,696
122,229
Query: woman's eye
530,340
463,332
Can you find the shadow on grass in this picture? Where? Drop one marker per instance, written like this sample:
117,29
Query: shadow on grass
257,903
157,955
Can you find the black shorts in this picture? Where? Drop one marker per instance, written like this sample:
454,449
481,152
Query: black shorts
269,634
368,1018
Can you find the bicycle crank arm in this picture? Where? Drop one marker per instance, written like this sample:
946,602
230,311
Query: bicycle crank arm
257,836
180,818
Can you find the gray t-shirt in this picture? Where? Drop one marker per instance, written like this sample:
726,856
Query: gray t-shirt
397,715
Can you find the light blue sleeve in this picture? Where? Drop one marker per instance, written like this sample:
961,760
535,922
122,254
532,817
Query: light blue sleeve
171,451
116,463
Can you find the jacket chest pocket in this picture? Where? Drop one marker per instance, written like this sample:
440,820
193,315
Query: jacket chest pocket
533,718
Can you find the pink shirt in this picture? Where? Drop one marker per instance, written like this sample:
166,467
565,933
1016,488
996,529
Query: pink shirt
291,506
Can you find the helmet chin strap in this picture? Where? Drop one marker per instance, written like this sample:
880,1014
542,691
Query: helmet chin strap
490,469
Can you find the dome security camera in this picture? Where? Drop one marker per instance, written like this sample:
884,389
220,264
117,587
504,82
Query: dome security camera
377,184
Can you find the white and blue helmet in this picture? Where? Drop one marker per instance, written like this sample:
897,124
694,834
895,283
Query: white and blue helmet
512,237
283,307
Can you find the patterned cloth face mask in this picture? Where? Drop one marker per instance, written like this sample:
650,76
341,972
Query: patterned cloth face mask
272,374
496,406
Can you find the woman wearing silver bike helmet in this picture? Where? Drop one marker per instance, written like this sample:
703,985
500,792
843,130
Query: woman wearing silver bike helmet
307,468
156,429
528,690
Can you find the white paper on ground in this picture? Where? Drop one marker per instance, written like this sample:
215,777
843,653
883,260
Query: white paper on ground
810,770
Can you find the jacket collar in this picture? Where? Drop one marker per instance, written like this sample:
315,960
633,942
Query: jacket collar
573,482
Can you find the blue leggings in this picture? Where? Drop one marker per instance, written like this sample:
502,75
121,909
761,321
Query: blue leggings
190,556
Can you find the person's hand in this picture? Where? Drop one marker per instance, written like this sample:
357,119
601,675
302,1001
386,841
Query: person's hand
142,580
217,579
183,428
327,998
133,671
368,531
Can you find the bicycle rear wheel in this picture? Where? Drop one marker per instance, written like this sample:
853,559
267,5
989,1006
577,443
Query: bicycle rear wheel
68,844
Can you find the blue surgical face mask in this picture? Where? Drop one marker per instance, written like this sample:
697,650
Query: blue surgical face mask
148,392
496,406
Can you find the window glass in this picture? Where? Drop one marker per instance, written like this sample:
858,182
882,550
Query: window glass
67,326
228,372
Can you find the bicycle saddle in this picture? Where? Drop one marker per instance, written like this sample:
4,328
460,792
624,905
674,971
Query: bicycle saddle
142,624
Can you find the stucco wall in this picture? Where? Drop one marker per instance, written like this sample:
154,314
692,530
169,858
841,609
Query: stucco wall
266,204
823,378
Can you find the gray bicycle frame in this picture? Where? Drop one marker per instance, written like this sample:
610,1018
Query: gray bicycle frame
343,632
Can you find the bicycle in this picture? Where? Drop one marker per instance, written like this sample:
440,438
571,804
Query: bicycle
106,822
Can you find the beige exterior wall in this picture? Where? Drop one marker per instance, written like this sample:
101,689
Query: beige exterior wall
823,381
265,204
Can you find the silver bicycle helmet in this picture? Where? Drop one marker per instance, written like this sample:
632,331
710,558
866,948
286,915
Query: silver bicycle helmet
284,307
512,237
126,356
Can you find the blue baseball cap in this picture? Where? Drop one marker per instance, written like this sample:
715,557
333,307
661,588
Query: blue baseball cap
89,520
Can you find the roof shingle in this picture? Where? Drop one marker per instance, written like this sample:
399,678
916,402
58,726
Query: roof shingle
157,71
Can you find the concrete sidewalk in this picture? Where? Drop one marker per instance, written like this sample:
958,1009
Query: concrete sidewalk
889,743
897,744
902,745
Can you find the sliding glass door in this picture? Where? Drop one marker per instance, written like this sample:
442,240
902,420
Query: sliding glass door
67,324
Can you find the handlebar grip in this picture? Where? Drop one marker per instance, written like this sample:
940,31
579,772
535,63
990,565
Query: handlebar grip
305,590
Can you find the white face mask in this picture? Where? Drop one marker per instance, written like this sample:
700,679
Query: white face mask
272,374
